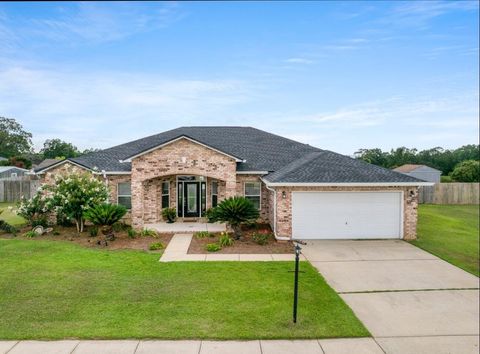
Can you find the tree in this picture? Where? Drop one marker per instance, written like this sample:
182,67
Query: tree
53,148
373,156
467,171
235,211
14,141
72,195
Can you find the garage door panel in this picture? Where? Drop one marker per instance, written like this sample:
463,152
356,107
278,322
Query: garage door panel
346,215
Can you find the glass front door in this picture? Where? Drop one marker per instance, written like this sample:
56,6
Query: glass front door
191,200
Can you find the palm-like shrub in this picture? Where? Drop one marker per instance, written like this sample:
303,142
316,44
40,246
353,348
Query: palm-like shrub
105,215
235,211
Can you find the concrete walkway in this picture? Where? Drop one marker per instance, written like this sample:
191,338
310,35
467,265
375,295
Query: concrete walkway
328,346
410,300
178,247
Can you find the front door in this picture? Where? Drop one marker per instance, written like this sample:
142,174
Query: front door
191,199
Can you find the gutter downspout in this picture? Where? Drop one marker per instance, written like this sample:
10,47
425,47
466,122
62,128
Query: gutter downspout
279,238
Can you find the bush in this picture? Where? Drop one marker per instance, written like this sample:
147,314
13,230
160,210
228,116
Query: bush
156,246
212,247
35,209
121,226
74,194
105,214
203,234
30,234
169,214
56,233
261,237
445,179
132,233
40,221
63,220
235,211
148,233
225,240
467,171
5,226
210,215
94,231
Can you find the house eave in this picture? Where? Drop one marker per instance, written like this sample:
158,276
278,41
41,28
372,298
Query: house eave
61,162
348,184
252,172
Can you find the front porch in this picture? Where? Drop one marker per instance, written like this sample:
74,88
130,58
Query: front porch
185,226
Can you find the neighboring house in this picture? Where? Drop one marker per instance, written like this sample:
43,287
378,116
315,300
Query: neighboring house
3,159
422,172
45,163
12,172
302,191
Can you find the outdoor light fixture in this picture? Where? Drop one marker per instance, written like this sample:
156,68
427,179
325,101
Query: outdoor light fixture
412,194
184,159
284,195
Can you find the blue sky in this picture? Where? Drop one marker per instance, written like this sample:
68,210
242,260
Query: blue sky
337,75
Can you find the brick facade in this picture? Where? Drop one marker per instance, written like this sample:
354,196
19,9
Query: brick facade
182,157
284,206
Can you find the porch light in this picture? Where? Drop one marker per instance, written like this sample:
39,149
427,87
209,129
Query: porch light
201,178
184,159
284,195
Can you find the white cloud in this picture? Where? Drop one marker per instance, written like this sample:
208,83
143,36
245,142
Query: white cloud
104,108
103,22
299,61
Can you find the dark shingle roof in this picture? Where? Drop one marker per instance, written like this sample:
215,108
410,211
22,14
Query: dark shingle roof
285,159
330,167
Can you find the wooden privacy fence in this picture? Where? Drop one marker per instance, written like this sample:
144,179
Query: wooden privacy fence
12,190
450,193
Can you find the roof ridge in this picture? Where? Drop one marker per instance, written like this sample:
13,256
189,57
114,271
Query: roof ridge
296,164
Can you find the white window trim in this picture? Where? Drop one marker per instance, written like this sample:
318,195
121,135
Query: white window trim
161,199
124,195
14,174
259,195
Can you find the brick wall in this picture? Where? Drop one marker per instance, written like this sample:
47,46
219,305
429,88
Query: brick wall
284,206
182,157
264,197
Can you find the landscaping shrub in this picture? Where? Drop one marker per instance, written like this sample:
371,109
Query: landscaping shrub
212,247
5,226
262,237
210,215
63,220
236,211
132,233
35,210
74,194
156,246
30,234
105,215
56,233
121,226
225,240
94,231
148,233
203,234
169,214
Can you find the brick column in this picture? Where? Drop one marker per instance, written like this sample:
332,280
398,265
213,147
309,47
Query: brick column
230,188
137,203
410,212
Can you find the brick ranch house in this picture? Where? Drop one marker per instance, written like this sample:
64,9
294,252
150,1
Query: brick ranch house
300,190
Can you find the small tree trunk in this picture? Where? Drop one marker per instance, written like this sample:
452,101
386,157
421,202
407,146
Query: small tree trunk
77,225
237,231
82,223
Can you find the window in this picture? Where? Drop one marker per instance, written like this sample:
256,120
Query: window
165,194
252,193
14,174
214,194
124,197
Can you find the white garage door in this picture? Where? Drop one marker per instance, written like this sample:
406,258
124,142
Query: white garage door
346,215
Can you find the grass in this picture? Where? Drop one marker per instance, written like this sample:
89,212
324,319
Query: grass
54,290
9,216
450,232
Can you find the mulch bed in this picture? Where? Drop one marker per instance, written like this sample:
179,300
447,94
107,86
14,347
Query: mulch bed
244,246
122,241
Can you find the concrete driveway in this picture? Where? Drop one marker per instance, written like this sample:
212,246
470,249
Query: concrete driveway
410,300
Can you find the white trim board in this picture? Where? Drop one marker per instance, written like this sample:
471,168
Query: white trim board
350,184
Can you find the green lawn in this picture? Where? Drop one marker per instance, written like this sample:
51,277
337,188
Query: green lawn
450,232
9,216
53,290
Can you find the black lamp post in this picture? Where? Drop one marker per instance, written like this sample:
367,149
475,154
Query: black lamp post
295,288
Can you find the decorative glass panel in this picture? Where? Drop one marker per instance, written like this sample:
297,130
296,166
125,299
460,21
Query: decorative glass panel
192,198
180,199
